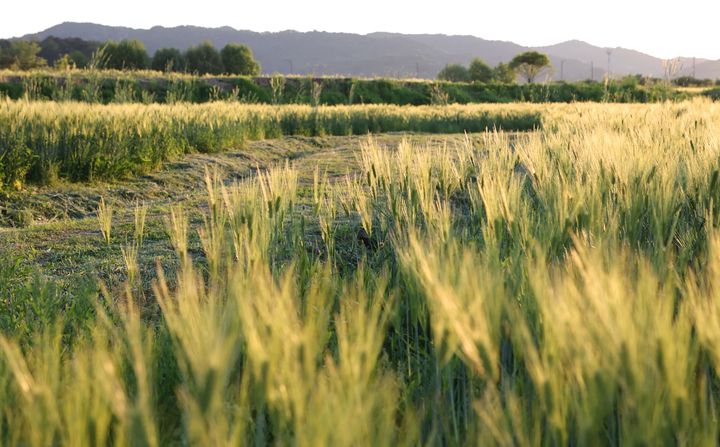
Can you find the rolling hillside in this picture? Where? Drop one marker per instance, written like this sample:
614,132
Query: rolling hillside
383,54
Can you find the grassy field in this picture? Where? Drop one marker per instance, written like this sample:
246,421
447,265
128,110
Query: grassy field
557,286
42,142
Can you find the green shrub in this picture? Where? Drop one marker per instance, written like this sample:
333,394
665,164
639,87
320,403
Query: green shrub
126,55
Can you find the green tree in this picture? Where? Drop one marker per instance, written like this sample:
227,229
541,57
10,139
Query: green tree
530,64
204,59
504,73
454,73
6,59
480,71
168,59
22,55
126,55
79,59
238,59
53,48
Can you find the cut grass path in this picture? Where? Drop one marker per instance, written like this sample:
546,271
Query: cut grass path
55,230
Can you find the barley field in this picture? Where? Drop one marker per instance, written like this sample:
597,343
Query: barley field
551,282
43,141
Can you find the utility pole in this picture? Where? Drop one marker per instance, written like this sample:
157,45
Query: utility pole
609,53
289,61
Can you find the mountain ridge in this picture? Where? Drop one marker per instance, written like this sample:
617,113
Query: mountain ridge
386,53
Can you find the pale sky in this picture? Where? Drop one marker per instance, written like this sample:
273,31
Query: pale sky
661,28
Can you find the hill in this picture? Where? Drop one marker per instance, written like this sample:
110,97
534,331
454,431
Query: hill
382,54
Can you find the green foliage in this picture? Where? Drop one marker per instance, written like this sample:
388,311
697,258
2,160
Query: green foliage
238,59
204,59
99,86
168,59
480,71
6,57
54,48
454,73
16,160
64,63
530,64
504,74
126,55
689,81
80,60
21,55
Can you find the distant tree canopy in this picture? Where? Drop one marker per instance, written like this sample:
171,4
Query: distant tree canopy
454,73
689,81
204,59
503,73
126,55
79,50
79,59
480,71
20,55
168,59
6,59
530,64
238,59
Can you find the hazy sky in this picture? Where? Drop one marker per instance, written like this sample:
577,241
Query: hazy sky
660,27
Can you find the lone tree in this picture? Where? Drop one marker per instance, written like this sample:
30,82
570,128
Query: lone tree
454,73
530,64
480,71
126,55
238,59
204,59
168,59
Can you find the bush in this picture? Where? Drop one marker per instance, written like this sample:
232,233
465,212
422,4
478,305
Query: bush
480,71
204,59
238,59
689,81
504,73
126,55
21,55
168,59
454,73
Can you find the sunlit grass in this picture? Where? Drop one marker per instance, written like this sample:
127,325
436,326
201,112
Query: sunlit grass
553,288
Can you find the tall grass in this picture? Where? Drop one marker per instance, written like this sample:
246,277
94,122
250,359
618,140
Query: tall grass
80,142
554,288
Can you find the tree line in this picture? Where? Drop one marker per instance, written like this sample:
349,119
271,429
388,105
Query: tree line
63,53
528,65
204,58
